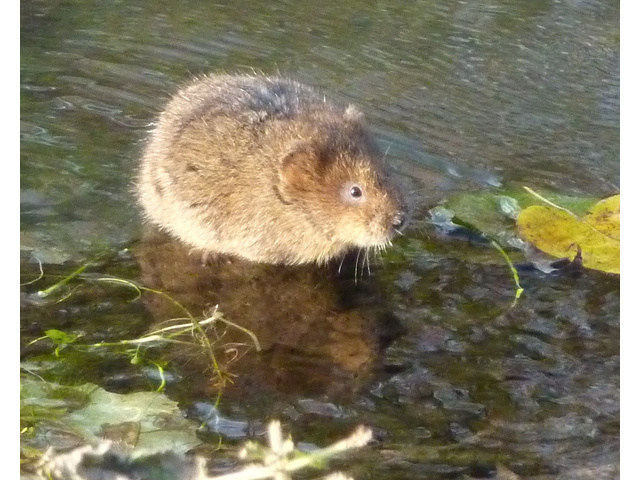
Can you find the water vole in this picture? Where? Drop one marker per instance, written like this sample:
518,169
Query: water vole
266,169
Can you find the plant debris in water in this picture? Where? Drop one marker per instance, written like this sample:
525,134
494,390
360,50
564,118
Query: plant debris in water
106,461
592,241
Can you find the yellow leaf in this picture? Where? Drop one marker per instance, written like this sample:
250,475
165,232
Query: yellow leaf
560,234
605,217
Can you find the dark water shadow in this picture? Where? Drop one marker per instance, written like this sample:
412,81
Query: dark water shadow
322,330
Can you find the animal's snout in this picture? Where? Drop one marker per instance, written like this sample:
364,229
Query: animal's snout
399,219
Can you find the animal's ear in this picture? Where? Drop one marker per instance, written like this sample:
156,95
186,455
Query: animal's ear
353,115
297,172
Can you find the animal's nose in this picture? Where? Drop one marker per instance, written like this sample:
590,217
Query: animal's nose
399,219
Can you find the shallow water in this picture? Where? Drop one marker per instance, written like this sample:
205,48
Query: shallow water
463,96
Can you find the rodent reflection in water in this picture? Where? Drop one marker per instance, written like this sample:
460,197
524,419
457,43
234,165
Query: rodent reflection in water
266,169
320,332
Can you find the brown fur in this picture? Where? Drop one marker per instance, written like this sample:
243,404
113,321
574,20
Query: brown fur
263,168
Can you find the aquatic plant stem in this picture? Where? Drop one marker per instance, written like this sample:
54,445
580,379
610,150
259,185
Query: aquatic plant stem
514,271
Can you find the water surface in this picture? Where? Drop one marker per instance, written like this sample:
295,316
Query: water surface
464,96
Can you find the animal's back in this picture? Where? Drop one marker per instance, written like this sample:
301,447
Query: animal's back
250,99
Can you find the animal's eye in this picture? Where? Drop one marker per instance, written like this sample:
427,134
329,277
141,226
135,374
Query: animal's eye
352,194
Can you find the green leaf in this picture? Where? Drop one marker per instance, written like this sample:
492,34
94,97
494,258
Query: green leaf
59,337
147,420
493,212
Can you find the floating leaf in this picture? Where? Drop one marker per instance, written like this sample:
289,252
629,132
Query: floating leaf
89,413
493,212
561,234
605,217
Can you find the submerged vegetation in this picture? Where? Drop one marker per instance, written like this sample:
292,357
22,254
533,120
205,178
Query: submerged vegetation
188,330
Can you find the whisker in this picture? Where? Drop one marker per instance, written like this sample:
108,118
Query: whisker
341,262
384,157
355,274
